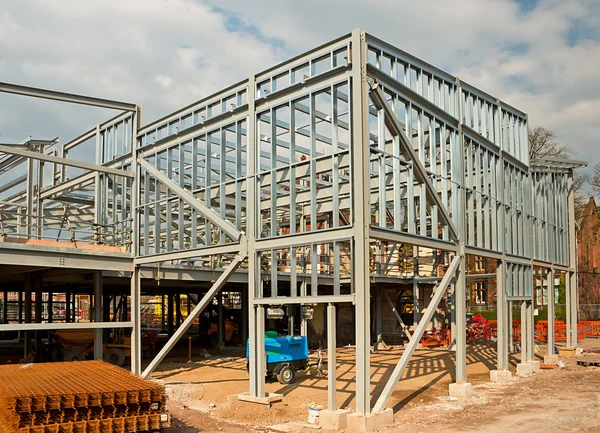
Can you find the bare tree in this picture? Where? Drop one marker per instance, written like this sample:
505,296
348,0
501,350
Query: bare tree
543,142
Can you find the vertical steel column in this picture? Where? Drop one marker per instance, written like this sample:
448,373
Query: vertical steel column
378,313
256,319
524,356
331,358
4,307
461,318
502,337
38,315
550,292
568,307
68,306
98,314
511,343
362,218
136,318
220,319
572,260
170,312
20,308
574,308
303,321
50,306
27,312
530,331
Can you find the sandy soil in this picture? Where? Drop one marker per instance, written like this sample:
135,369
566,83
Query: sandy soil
565,400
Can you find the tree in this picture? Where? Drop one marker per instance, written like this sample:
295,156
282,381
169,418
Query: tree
543,143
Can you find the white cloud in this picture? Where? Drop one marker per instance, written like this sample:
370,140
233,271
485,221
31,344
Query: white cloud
166,54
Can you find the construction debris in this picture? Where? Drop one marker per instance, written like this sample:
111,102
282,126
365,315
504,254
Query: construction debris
78,397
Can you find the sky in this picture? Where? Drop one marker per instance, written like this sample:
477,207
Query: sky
541,56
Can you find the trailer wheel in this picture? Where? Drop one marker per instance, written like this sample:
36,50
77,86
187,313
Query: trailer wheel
115,356
286,375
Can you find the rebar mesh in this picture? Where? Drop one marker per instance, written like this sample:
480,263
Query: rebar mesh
77,397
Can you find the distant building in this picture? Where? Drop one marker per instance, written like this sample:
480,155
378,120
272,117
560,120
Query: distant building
588,251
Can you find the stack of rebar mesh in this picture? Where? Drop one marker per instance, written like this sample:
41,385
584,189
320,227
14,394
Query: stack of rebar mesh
77,397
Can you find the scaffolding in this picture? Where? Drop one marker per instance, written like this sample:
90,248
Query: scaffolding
309,182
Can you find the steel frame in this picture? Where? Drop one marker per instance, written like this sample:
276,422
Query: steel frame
316,170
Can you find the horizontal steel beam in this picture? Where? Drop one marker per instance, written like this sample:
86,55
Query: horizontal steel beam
65,97
6,148
411,239
232,248
61,325
304,300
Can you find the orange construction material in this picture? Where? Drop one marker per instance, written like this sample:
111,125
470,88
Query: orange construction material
436,338
88,396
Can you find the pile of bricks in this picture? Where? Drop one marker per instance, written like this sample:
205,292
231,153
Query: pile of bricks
77,397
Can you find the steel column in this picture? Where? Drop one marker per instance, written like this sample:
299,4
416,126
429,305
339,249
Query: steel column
331,357
136,319
98,314
362,221
524,338
460,297
502,337
550,291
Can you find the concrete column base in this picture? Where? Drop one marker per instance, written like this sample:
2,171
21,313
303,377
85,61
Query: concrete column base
268,399
365,423
524,369
333,419
551,359
500,376
460,390
535,366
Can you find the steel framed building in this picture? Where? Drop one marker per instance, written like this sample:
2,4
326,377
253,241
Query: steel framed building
306,183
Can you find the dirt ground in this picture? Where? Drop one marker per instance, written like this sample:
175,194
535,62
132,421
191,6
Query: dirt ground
563,399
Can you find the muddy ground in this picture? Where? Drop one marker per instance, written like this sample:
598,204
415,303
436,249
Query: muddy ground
562,399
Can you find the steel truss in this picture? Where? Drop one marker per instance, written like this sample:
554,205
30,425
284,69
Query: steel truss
312,179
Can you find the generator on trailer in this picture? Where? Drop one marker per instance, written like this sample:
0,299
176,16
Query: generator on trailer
284,356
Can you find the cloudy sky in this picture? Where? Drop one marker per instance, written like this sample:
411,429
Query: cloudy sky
541,56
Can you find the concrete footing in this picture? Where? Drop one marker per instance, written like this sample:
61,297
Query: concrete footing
535,366
333,419
524,369
500,376
551,359
460,390
373,421
268,399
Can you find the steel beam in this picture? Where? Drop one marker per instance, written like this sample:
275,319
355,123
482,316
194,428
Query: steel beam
230,248
7,148
206,299
65,97
205,211
58,325
418,333
300,300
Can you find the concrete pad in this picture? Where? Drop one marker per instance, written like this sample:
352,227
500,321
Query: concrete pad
551,359
360,423
500,376
578,351
231,399
268,399
383,418
333,419
460,390
524,369
535,366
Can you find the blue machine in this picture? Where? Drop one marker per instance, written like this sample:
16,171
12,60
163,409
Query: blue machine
285,356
